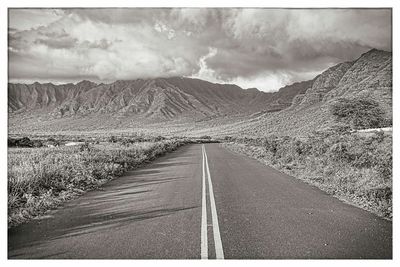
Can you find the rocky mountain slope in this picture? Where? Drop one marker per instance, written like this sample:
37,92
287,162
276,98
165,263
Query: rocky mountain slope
370,76
184,105
152,100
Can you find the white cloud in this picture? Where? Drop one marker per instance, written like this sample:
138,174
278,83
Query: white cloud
205,72
264,82
263,48
162,28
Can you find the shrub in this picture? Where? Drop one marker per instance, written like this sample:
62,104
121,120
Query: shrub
23,142
112,139
12,142
348,165
37,143
38,178
228,138
159,138
359,113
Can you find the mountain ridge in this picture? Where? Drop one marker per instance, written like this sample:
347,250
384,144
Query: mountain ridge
187,103
159,98
367,77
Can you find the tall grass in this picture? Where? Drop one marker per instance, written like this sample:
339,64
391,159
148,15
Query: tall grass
354,168
41,178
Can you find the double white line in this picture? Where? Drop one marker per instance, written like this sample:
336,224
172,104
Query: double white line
219,252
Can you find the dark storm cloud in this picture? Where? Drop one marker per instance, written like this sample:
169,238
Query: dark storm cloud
264,48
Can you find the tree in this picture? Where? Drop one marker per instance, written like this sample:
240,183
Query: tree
359,113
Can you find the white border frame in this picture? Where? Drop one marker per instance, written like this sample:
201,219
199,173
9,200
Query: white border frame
5,4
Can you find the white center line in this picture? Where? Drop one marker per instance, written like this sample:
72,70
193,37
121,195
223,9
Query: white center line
204,242
219,252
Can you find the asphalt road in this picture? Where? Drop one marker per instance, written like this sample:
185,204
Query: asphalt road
193,204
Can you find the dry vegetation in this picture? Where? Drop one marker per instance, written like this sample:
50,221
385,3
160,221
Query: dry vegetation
42,178
354,168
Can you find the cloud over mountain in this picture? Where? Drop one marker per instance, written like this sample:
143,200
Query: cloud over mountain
264,48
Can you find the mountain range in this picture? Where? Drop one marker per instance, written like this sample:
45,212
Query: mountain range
156,99
185,104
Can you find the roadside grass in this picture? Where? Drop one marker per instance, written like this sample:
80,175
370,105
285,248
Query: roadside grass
41,178
354,168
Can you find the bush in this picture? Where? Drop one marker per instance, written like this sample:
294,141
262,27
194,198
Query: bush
159,138
43,175
23,142
348,165
359,113
37,143
12,142
112,139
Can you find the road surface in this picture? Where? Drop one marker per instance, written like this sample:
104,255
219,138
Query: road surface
204,202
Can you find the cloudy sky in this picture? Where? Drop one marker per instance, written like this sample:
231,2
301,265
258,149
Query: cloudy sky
262,48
